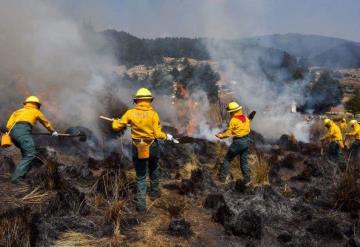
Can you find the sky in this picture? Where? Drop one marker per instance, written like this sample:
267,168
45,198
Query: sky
219,18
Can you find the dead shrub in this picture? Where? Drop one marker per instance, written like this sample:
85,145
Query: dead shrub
72,238
115,185
174,206
190,166
317,130
14,228
260,172
114,211
347,191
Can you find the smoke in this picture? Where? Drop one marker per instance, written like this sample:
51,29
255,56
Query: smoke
44,53
250,84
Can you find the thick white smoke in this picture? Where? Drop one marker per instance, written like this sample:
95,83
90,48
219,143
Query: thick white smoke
250,85
44,53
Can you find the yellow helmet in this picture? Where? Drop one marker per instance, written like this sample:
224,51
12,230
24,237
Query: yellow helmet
327,121
32,99
143,93
233,106
353,122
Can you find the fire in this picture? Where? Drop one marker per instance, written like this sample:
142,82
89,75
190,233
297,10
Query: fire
47,96
187,113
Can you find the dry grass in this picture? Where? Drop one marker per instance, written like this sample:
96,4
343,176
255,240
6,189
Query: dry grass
189,167
75,239
346,190
286,190
34,197
114,211
174,205
220,151
317,130
259,172
14,231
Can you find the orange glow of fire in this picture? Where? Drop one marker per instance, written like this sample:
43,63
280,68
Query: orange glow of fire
47,96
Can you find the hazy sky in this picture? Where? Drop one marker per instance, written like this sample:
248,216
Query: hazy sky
219,18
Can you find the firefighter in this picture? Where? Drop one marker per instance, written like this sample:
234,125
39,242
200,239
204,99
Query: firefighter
145,131
355,133
20,126
239,130
335,139
343,127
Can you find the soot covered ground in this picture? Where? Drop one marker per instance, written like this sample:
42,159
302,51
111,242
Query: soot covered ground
74,198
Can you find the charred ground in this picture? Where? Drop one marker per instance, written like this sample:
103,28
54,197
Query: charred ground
73,200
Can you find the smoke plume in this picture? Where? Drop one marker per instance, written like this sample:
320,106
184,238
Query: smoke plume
249,83
44,53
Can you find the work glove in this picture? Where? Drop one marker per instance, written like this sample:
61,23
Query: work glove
219,135
55,134
169,137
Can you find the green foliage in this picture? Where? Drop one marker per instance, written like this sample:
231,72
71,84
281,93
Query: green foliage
130,50
353,105
323,93
193,77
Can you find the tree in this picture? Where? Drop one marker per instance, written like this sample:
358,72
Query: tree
323,93
353,105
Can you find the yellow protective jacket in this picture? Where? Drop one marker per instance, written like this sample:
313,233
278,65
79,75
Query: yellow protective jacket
334,133
356,132
144,121
343,126
30,114
239,126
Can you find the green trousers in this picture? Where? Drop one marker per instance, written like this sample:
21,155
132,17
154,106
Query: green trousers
239,146
334,152
141,168
355,149
22,138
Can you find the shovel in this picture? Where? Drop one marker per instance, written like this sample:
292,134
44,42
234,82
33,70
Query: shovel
82,137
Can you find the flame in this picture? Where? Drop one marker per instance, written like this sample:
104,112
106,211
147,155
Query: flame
47,96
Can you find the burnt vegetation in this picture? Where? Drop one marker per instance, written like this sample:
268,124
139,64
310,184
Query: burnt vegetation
68,199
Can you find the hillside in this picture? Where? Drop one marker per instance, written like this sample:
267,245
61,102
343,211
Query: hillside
342,56
299,45
317,50
314,50
130,50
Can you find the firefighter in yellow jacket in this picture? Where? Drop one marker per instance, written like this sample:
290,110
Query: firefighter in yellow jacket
145,131
239,130
335,139
355,133
20,127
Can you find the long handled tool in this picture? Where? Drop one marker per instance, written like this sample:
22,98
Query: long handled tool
82,137
106,118
111,120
